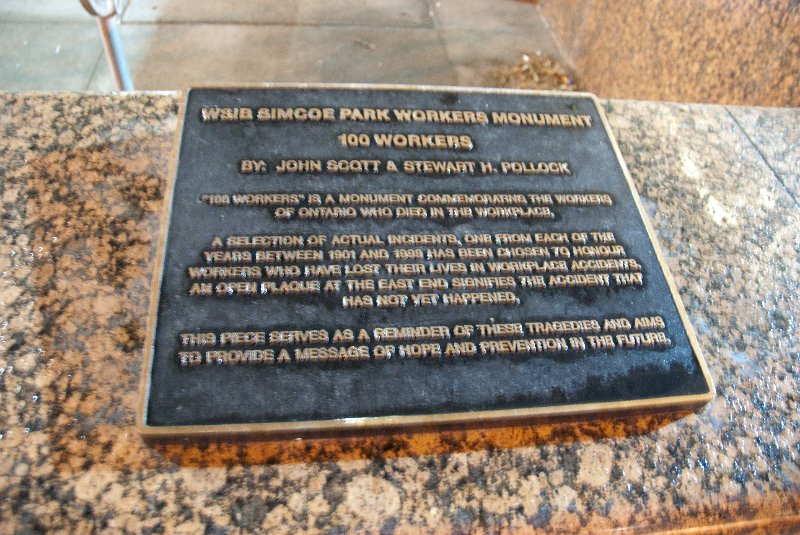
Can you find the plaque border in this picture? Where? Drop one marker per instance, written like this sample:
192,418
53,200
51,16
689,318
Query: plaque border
352,425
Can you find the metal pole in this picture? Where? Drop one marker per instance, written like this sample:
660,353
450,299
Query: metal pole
112,43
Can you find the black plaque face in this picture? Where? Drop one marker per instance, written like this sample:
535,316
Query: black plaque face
343,257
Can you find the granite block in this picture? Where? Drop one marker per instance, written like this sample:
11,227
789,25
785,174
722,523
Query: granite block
82,185
775,135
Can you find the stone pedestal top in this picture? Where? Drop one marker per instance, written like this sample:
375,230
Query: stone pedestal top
82,187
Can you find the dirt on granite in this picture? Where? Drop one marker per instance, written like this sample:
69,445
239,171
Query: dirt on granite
535,71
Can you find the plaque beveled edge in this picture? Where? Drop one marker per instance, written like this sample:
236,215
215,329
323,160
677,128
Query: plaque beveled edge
384,422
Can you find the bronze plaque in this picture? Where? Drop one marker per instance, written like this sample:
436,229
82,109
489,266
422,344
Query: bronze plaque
342,257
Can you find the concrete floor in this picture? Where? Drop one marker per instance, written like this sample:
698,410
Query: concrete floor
170,44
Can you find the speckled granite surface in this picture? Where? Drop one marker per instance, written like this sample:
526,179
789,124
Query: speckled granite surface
775,134
82,181
725,51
